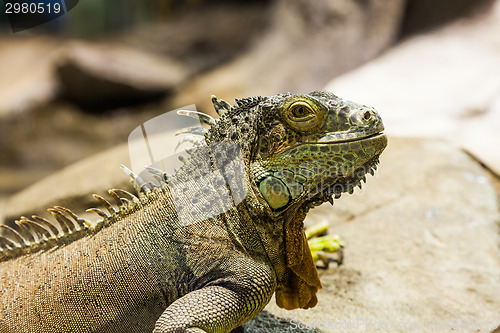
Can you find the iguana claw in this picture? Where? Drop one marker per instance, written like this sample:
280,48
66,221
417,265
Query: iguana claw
323,246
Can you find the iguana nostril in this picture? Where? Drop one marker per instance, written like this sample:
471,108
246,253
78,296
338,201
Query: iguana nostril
367,115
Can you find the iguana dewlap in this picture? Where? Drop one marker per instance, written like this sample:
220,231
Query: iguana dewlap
206,248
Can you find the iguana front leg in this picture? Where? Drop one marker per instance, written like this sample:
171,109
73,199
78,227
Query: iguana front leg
222,305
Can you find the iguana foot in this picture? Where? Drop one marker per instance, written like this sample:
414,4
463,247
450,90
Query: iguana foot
322,246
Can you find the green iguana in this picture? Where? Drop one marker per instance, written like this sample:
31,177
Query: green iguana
204,249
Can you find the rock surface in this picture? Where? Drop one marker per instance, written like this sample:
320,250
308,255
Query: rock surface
440,84
421,247
266,322
421,241
71,187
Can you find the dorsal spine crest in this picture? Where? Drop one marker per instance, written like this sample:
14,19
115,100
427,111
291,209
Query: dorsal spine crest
37,234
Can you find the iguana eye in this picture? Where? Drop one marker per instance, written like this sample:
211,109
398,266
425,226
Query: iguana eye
304,114
300,111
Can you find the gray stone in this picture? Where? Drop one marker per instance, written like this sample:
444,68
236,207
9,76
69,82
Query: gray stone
266,322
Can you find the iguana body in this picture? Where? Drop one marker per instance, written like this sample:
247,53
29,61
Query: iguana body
179,258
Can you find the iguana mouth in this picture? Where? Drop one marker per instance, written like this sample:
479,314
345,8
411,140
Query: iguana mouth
344,184
343,137
331,139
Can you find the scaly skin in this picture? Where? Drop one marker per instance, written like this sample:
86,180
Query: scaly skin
182,257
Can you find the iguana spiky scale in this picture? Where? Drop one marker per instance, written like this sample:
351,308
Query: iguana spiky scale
204,249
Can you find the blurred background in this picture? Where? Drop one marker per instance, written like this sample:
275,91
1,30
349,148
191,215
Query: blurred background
79,84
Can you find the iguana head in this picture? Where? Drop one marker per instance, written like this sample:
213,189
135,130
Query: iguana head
303,150
312,147
300,151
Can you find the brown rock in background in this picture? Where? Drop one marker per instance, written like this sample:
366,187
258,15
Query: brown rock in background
274,46
111,75
41,130
205,36
422,15
440,84
26,77
306,44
